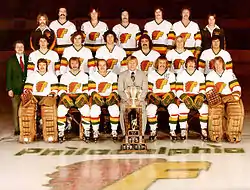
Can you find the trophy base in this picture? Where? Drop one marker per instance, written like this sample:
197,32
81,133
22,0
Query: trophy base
133,147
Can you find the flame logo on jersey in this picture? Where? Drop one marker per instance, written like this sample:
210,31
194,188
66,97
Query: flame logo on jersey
61,32
185,35
48,61
219,86
81,60
157,34
189,86
47,34
93,36
124,38
103,86
74,86
211,64
41,85
111,63
145,65
178,63
160,83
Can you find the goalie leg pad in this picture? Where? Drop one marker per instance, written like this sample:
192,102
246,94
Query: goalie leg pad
27,122
235,118
215,122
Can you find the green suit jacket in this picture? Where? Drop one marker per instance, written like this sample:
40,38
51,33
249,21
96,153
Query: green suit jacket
15,77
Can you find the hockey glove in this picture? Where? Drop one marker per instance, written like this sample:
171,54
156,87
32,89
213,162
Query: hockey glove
198,101
81,100
188,101
167,99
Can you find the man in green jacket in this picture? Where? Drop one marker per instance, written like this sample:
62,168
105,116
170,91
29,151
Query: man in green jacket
15,78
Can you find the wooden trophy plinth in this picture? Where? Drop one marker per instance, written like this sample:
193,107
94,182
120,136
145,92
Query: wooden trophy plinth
133,141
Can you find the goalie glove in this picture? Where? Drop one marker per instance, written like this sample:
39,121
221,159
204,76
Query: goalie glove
112,99
188,101
167,99
153,98
97,99
81,100
198,101
47,101
229,98
66,100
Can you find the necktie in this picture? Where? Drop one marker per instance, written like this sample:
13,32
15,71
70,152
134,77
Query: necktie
133,76
21,63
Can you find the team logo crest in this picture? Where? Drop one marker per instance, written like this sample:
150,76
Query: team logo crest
219,86
178,63
41,85
111,63
81,60
74,86
145,65
61,32
189,86
94,35
103,86
48,61
124,37
157,34
160,83
185,35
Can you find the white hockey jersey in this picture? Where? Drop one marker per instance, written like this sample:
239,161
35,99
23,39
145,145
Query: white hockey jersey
161,83
206,60
85,55
177,60
41,85
226,83
115,58
63,31
103,85
146,61
127,36
190,33
73,84
190,84
51,57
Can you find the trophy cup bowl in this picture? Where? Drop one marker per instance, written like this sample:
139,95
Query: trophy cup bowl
133,93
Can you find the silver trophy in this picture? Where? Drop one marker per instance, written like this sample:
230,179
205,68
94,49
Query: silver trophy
133,93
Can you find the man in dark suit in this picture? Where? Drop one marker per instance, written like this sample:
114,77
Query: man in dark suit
132,77
15,77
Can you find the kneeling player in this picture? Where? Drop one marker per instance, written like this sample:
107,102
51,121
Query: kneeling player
41,87
190,88
223,94
103,90
74,93
161,92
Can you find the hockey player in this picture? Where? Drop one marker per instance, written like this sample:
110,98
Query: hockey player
206,62
177,57
63,29
161,87
158,30
74,92
113,54
41,30
43,52
229,104
77,50
146,56
190,88
127,33
103,90
189,30
94,30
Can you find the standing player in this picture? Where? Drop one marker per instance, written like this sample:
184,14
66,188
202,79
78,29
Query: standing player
158,30
190,32
77,50
42,30
113,54
103,90
127,33
94,30
146,56
43,52
177,57
63,29
190,88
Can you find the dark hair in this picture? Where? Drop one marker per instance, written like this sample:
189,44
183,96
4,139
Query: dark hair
186,8
42,60
159,8
18,42
76,33
43,37
211,14
109,32
215,37
146,37
191,59
96,9
74,59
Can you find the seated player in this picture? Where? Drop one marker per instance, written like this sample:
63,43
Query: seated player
190,88
224,99
73,92
103,90
161,86
40,85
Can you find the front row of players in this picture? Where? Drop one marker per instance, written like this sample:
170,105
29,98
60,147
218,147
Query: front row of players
216,98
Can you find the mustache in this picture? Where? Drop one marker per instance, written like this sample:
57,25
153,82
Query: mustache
62,15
